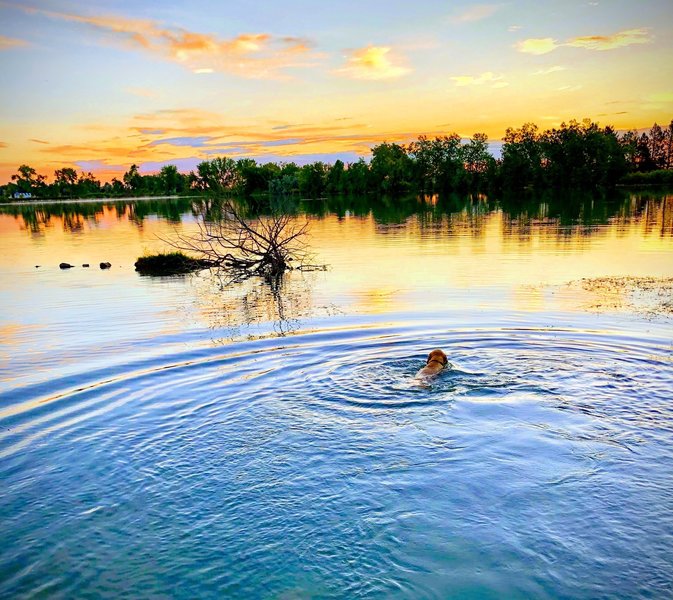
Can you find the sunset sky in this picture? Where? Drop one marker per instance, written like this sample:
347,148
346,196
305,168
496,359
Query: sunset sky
100,85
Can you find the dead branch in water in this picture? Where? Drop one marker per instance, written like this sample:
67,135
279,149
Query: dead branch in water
263,245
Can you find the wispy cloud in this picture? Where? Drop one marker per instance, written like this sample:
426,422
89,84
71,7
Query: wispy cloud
36,141
610,42
250,55
494,79
3,145
372,62
621,39
476,13
513,28
191,141
549,70
8,42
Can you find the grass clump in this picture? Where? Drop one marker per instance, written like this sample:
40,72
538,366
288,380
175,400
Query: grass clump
170,263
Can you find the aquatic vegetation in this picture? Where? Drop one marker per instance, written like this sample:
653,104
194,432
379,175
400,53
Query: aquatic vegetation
169,263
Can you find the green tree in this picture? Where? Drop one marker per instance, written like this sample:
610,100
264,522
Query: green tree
477,161
133,180
391,168
313,179
218,175
170,180
522,157
254,178
28,181
65,182
336,177
582,155
88,185
356,178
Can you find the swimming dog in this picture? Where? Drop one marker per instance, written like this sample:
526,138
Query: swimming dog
435,363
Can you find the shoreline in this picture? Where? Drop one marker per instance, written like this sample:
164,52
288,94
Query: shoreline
94,200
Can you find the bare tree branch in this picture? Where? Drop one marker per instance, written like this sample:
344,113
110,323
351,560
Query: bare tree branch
243,247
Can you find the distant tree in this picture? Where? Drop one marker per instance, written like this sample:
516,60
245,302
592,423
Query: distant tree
28,181
582,154
218,175
522,157
391,168
88,185
355,178
477,161
336,177
313,179
437,164
65,182
117,187
254,178
133,180
660,145
169,180
282,187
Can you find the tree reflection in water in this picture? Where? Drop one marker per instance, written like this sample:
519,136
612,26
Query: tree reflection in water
256,304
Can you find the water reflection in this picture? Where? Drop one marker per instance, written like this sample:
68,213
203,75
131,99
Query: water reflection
521,212
235,310
71,216
421,254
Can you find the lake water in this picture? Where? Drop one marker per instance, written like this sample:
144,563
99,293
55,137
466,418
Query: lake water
179,437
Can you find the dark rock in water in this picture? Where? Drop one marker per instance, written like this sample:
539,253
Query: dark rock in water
37,266
171,263
85,265
66,266
105,265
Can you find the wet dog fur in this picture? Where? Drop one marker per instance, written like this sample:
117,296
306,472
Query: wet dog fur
434,365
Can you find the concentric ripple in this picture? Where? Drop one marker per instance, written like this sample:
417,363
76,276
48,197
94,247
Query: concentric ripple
317,465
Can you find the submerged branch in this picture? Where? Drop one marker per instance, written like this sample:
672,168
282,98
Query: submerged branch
264,246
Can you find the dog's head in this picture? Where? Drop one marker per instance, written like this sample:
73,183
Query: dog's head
437,356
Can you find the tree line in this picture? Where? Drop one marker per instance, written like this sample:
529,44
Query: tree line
579,155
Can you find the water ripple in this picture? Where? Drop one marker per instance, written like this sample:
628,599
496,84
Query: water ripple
316,465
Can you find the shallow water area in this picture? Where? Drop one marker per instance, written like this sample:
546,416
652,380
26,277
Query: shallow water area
166,437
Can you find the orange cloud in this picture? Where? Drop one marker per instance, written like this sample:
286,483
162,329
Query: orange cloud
372,62
620,39
610,42
251,55
8,42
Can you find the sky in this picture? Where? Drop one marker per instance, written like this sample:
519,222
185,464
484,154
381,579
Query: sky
99,85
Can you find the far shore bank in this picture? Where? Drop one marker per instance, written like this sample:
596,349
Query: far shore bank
13,202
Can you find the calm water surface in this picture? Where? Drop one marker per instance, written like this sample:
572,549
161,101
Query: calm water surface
174,437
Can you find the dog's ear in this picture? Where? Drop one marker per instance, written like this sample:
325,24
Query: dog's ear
427,360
